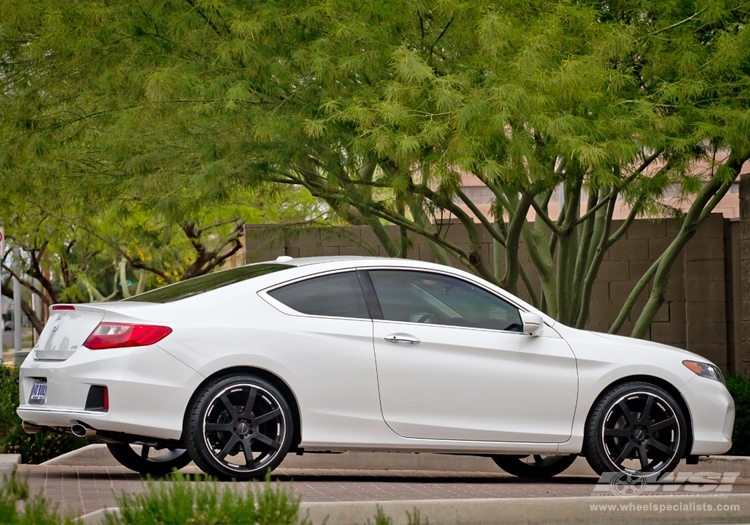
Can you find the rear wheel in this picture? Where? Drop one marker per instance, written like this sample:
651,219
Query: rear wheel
637,429
535,466
239,427
149,460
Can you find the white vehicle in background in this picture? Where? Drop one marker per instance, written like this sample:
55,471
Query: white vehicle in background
235,369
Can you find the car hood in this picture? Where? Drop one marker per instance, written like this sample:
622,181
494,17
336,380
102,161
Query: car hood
643,343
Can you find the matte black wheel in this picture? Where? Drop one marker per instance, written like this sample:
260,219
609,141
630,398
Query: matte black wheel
239,427
636,428
534,467
149,460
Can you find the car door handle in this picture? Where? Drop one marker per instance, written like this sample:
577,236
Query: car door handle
402,339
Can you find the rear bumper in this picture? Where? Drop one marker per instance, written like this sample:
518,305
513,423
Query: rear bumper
148,391
712,412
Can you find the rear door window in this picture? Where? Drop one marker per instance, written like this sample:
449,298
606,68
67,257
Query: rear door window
333,295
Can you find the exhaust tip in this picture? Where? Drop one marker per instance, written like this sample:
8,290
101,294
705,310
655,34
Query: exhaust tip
81,431
30,429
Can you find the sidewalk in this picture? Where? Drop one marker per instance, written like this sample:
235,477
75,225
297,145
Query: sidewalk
448,490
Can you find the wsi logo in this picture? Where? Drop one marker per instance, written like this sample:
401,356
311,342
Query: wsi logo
627,484
635,483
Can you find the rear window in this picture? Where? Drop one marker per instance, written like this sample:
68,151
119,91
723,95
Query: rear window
335,295
205,283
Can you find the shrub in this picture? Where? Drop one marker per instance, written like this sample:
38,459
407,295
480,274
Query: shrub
739,387
34,448
182,501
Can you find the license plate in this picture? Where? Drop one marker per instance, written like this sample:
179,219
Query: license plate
38,392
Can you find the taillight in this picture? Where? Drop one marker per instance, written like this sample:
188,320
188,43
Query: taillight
63,307
120,335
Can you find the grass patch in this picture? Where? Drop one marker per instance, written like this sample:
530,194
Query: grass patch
381,518
185,502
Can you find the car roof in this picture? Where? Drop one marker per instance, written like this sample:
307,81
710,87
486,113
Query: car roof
306,261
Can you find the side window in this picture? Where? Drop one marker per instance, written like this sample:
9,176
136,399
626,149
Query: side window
335,295
423,297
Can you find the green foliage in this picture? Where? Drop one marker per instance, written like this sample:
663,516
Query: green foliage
374,106
739,387
31,510
381,518
182,501
34,448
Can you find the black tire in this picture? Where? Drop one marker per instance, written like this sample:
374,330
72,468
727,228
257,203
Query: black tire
535,466
238,427
636,428
150,461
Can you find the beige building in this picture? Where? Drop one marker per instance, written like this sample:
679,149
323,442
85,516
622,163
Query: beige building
729,206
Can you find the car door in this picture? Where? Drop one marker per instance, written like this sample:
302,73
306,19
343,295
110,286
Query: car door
326,344
453,363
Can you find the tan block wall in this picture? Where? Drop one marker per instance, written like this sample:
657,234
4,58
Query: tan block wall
698,313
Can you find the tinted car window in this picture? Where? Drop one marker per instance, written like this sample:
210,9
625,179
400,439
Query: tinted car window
423,297
204,283
335,295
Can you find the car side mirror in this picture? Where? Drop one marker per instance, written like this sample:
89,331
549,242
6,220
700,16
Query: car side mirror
533,324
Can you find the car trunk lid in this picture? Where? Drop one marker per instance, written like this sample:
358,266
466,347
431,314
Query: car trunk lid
66,331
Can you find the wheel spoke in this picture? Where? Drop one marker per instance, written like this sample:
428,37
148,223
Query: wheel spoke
268,416
247,448
228,447
643,420
250,403
661,447
266,440
229,406
625,453
643,456
218,427
144,451
617,432
662,424
627,413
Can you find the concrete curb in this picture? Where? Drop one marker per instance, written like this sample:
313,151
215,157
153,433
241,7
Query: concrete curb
98,516
98,455
8,464
682,510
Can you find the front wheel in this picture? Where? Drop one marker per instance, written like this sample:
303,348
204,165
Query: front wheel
149,460
534,467
636,429
239,427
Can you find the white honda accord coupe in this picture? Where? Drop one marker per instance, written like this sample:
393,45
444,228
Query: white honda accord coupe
237,368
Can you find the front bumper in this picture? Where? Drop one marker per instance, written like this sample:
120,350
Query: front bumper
712,412
148,391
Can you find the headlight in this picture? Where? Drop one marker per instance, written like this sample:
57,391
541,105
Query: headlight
705,370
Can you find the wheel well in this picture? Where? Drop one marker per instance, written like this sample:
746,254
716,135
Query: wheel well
267,376
666,385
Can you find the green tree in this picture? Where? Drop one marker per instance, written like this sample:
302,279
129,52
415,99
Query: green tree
66,254
379,107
